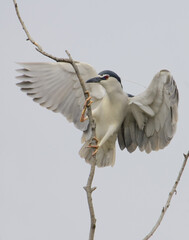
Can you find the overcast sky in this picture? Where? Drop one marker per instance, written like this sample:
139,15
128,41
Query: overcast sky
41,173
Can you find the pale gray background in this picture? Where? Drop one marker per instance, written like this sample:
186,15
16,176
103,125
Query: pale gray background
41,174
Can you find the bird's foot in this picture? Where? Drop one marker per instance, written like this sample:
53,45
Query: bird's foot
94,146
83,118
87,103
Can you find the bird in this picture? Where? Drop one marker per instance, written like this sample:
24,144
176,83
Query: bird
146,121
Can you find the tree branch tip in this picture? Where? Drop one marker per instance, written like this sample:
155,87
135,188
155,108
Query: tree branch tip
186,155
93,189
69,55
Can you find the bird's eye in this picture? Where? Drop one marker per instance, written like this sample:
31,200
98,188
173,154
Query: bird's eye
105,77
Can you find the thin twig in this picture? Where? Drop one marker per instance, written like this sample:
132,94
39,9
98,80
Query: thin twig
88,188
173,190
24,27
29,38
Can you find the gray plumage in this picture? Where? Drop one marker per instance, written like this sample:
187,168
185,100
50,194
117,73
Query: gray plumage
147,121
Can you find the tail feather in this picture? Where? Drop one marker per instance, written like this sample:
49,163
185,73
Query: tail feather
105,156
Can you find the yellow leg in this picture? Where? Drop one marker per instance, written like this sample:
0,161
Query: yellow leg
87,103
96,139
83,118
94,146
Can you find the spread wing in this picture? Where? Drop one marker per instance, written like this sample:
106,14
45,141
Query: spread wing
56,87
152,116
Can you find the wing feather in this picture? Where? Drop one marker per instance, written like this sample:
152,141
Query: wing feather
152,116
56,87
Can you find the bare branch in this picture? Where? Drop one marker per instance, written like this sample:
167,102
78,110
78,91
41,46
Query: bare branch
29,38
88,187
173,190
24,27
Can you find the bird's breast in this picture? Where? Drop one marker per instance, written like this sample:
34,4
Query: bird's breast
109,113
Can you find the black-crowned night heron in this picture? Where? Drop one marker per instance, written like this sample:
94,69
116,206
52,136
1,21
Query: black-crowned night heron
147,121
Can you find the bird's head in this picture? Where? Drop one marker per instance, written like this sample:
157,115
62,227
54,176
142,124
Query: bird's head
106,78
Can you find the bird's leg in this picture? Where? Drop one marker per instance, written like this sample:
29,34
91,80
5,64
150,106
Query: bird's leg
87,103
94,146
110,131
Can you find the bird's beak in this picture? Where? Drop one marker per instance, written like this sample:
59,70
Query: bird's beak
98,79
94,80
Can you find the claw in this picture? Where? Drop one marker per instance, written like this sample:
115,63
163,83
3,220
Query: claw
94,146
95,152
83,118
87,103
96,139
